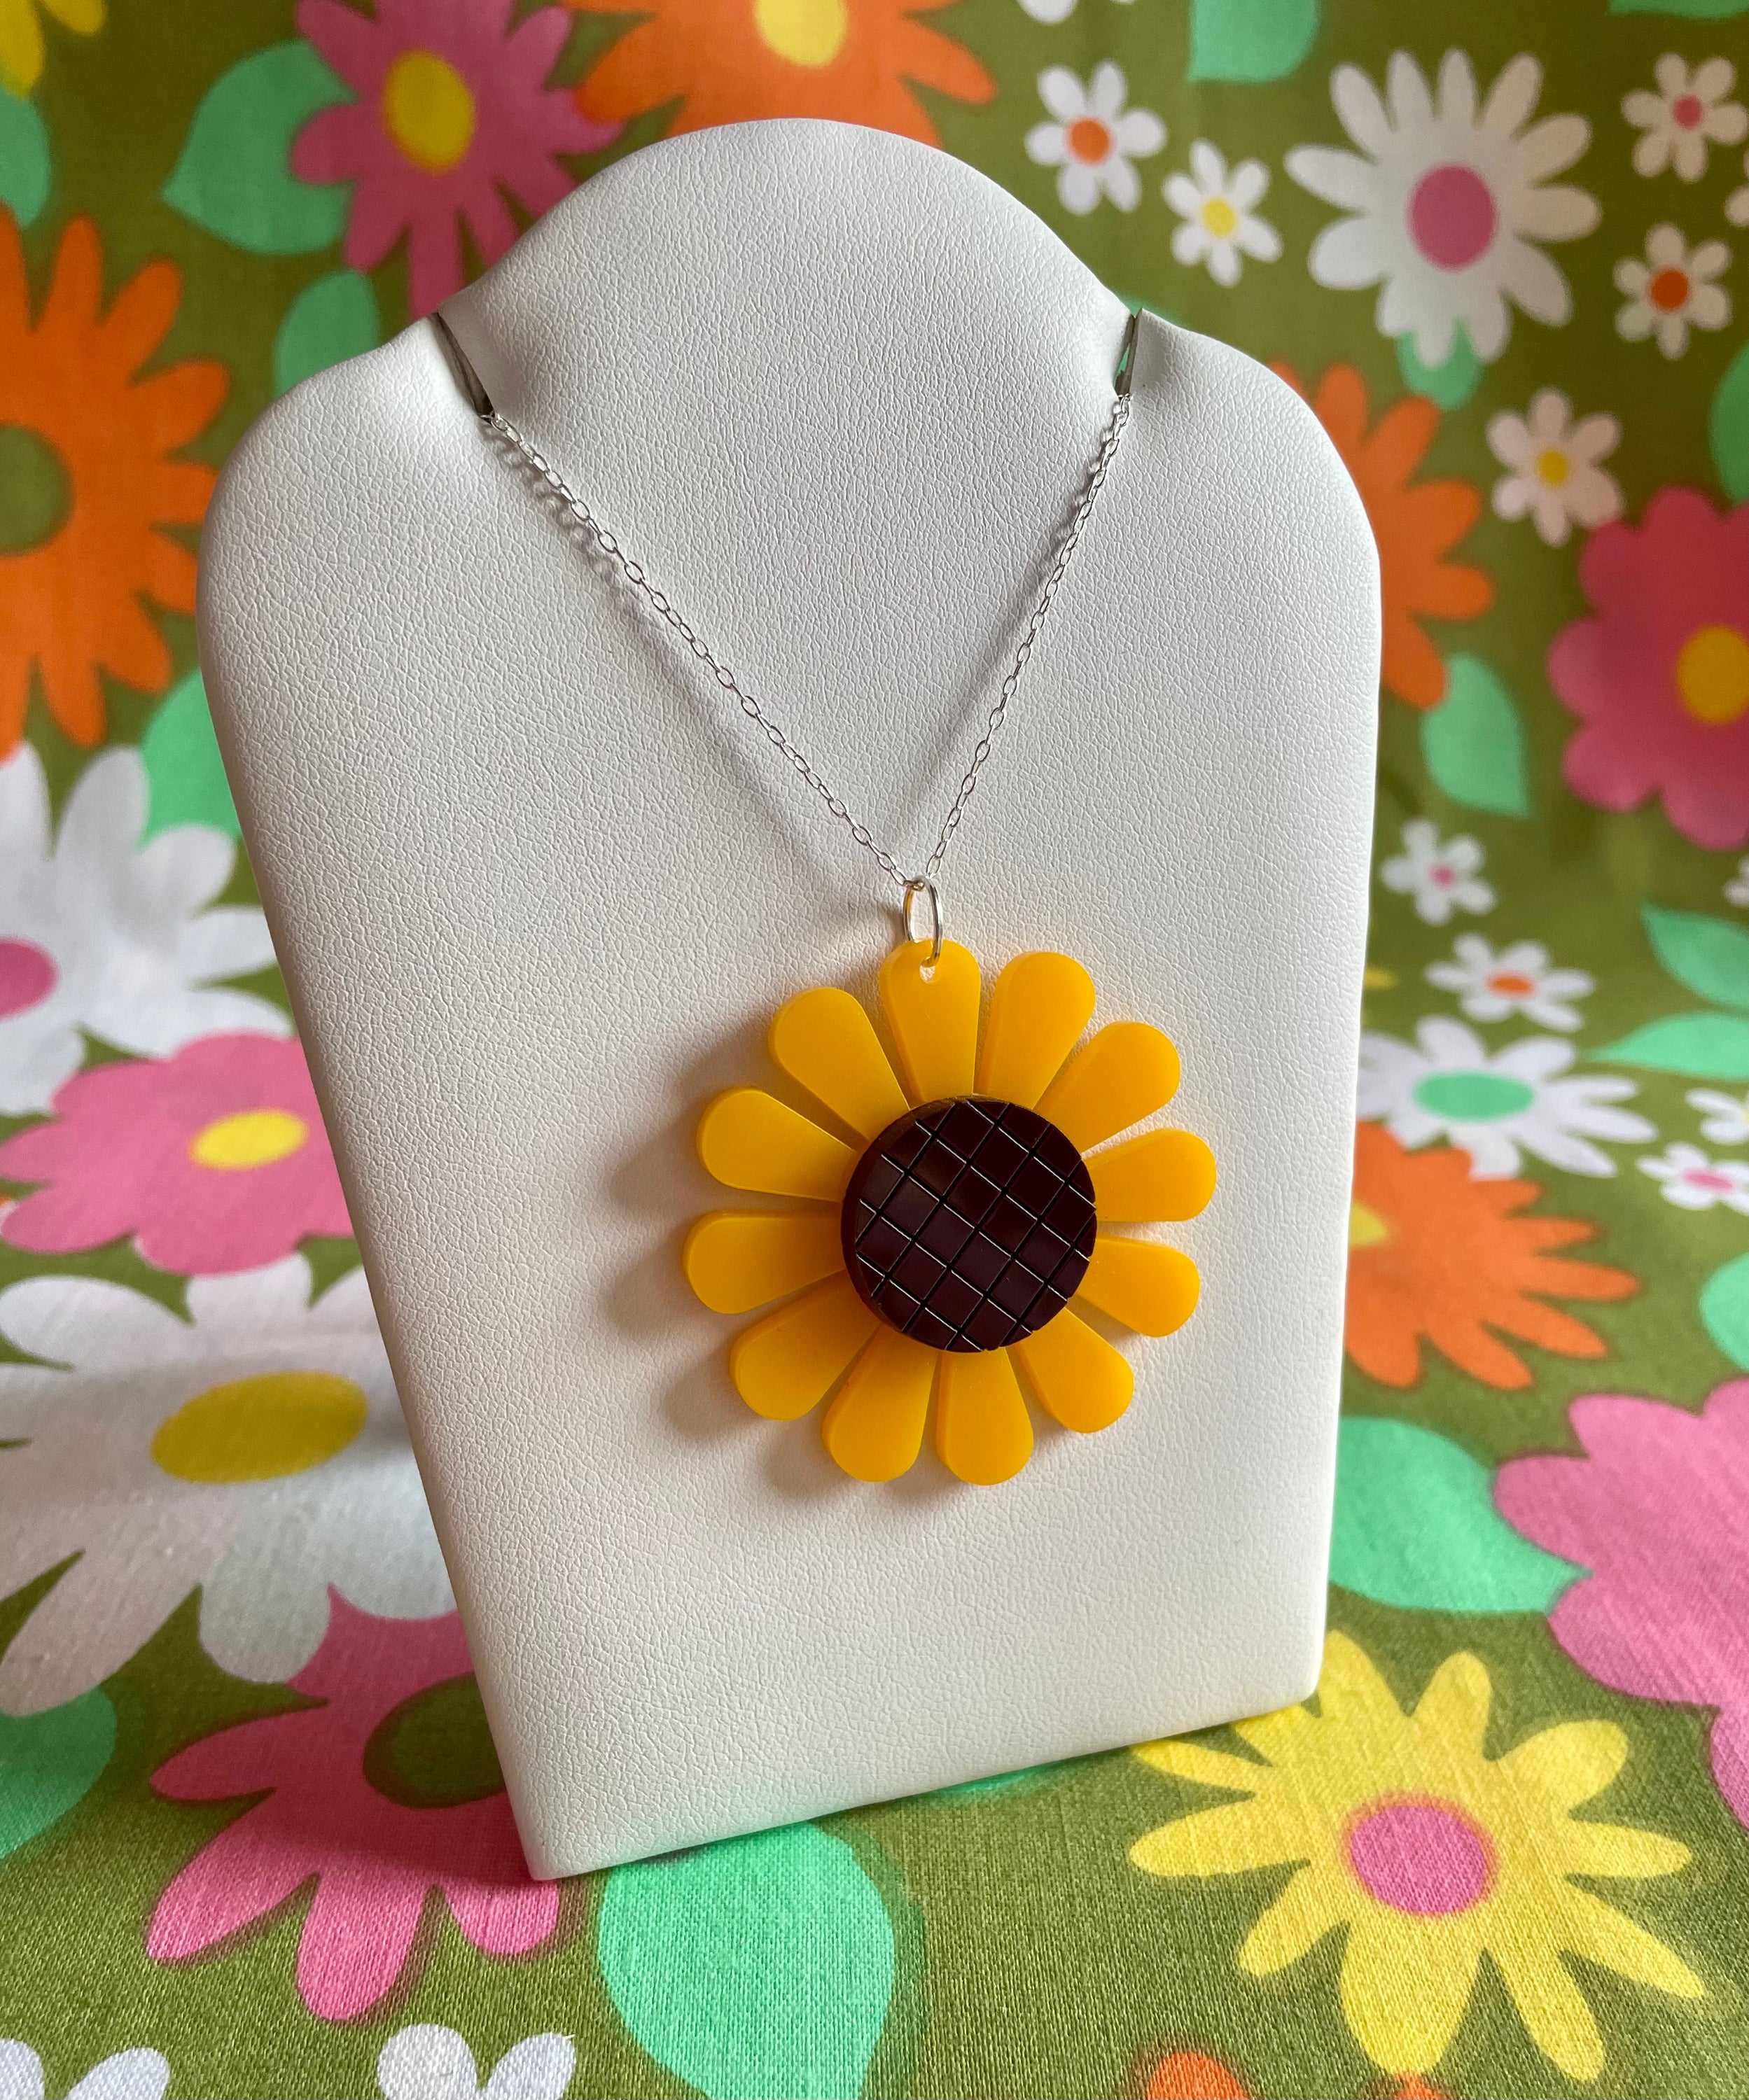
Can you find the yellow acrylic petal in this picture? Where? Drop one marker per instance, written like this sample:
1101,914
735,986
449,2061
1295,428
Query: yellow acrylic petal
1078,1376
1040,1004
1149,1287
1548,2001
933,1013
1207,1767
983,1433
826,1042
874,1426
1312,1904
788,1361
737,1260
1568,1763
1128,1071
1162,1175
751,1140
1404,1991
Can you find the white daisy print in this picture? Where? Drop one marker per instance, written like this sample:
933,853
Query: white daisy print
1053,11
1553,473
1672,290
133,2074
435,2063
1737,889
1724,1117
1518,982
256,1449
101,933
1690,111
1444,1084
1094,139
1220,223
1448,203
1442,876
1688,1178
1737,204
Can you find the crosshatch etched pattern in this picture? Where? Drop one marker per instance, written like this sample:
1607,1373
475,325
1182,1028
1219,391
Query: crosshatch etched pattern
969,1224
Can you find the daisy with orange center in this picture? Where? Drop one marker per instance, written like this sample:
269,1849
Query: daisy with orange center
856,60
954,1244
1436,1256
1414,526
98,439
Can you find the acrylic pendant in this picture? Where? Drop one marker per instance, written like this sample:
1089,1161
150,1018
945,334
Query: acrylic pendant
952,1236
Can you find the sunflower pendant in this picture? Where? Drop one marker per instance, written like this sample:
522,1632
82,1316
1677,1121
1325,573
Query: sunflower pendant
946,1251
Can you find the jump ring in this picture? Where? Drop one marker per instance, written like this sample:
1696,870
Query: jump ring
922,897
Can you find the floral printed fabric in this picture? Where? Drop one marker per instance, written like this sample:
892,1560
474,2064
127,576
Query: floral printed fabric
254,1837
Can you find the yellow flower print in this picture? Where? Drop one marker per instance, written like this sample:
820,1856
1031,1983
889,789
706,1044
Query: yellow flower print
960,1231
21,36
1430,1854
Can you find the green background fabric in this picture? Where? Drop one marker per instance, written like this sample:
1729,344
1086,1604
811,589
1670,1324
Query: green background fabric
1002,1938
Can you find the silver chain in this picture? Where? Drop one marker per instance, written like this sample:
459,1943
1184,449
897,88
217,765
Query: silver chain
501,425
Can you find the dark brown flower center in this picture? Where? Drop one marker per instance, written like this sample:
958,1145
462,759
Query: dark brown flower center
968,1223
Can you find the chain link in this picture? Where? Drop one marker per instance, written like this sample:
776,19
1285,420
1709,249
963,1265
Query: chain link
632,572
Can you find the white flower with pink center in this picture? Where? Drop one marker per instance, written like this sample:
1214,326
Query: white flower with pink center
1737,890
1553,476
1672,290
1688,1178
106,932
1690,111
1724,1117
1519,980
1093,139
1442,875
1448,202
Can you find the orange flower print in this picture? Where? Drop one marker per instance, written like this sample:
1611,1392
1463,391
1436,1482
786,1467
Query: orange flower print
1435,1256
1188,2074
857,60
1414,527
97,443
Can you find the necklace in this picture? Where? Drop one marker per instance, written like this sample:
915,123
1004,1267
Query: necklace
920,892
957,1239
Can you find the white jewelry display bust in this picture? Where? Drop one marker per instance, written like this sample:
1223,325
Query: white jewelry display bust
537,889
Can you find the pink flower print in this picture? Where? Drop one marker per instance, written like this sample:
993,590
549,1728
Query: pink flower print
1660,677
452,110
374,1860
1657,1509
215,1159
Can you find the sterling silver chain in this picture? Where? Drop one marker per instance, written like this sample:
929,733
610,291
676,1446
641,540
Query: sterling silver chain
921,888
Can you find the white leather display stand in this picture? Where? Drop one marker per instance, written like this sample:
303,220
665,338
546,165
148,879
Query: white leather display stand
537,889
